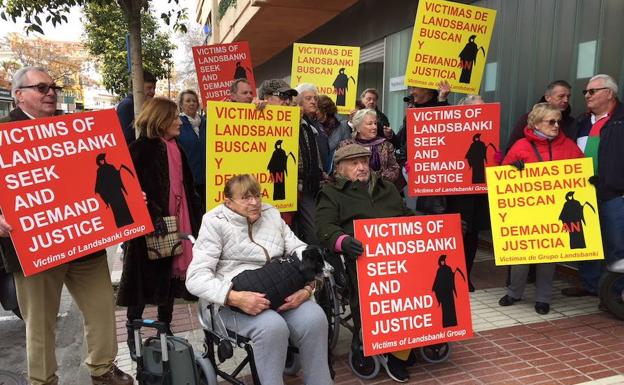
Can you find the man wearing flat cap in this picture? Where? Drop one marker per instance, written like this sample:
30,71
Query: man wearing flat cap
357,193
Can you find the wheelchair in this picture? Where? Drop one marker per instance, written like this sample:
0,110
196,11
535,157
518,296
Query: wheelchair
333,297
219,345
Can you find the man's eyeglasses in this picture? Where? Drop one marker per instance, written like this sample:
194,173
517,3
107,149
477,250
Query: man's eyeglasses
44,88
592,91
552,122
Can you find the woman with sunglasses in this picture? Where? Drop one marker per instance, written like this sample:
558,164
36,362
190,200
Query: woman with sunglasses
543,141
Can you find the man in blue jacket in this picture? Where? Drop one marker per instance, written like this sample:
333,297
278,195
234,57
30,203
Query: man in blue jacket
125,108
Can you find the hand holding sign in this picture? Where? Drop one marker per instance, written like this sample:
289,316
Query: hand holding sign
351,247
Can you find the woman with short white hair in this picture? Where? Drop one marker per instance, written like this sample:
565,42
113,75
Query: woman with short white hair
382,157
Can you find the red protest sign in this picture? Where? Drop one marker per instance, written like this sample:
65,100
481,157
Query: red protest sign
412,282
219,65
449,147
69,188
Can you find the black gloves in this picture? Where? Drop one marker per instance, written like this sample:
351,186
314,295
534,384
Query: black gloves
351,247
519,164
160,227
594,180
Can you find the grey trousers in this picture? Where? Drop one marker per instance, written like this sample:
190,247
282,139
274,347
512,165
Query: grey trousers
269,331
543,281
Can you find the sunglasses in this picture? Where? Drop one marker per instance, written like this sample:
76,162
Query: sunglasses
592,91
552,122
282,95
44,88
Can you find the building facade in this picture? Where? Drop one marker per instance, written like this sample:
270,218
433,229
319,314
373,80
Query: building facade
533,43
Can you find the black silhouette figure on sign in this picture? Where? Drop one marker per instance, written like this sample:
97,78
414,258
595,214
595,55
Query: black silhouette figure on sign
278,168
341,84
468,58
240,72
572,216
477,158
444,289
109,186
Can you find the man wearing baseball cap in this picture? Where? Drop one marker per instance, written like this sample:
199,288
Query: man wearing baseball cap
349,197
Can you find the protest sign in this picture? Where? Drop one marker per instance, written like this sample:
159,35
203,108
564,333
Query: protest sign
69,188
450,42
332,68
545,213
412,282
447,148
244,140
217,67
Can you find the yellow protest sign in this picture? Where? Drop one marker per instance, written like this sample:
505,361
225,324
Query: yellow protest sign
244,140
450,41
333,69
544,213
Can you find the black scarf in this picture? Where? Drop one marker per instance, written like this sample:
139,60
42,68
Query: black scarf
311,177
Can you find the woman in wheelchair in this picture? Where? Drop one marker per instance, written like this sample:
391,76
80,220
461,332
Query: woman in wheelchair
357,193
245,234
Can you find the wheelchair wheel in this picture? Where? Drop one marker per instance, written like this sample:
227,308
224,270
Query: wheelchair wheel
207,375
327,300
611,293
365,372
293,365
435,353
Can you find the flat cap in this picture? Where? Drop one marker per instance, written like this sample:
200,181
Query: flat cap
275,87
350,151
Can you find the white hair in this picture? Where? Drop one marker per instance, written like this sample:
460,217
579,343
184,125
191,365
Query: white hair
359,116
607,80
304,87
19,78
469,99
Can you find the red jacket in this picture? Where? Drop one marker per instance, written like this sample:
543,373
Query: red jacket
557,149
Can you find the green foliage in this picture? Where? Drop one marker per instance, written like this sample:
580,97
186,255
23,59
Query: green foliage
105,29
224,5
32,10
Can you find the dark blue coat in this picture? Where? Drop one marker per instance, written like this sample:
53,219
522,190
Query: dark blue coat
125,113
194,148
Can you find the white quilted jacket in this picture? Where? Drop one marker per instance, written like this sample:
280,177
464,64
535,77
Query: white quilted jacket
227,245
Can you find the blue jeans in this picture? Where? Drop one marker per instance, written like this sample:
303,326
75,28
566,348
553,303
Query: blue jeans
612,227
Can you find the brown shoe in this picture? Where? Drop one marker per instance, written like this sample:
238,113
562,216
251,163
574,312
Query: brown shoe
113,377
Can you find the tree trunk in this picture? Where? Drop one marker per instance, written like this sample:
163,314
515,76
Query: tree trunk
132,10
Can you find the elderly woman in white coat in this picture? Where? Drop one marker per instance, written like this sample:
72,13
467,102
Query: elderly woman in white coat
244,234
